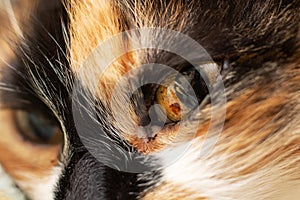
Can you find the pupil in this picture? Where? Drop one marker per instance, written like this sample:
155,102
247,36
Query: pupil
41,127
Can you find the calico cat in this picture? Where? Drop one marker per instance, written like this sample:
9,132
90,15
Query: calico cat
145,99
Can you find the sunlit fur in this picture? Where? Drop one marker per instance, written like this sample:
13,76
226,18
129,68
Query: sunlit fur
258,154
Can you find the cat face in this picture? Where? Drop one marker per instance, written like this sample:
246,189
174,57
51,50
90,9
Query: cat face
151,99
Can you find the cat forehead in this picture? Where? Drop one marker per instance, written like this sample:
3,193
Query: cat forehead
224,29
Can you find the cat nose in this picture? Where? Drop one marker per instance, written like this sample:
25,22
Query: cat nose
86,178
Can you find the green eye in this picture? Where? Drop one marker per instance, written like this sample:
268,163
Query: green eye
38,128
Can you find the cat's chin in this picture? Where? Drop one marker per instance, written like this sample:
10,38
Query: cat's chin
8,190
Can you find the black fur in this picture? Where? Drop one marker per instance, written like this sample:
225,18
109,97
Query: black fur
42,61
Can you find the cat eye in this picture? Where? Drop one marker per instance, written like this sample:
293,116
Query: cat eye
38,128
187,90
31,143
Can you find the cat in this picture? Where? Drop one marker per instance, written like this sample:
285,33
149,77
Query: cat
145,99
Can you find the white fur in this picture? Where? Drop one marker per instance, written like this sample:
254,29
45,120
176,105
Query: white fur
213,178
8,189
42,188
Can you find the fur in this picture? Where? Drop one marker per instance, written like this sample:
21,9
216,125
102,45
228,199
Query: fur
257,154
